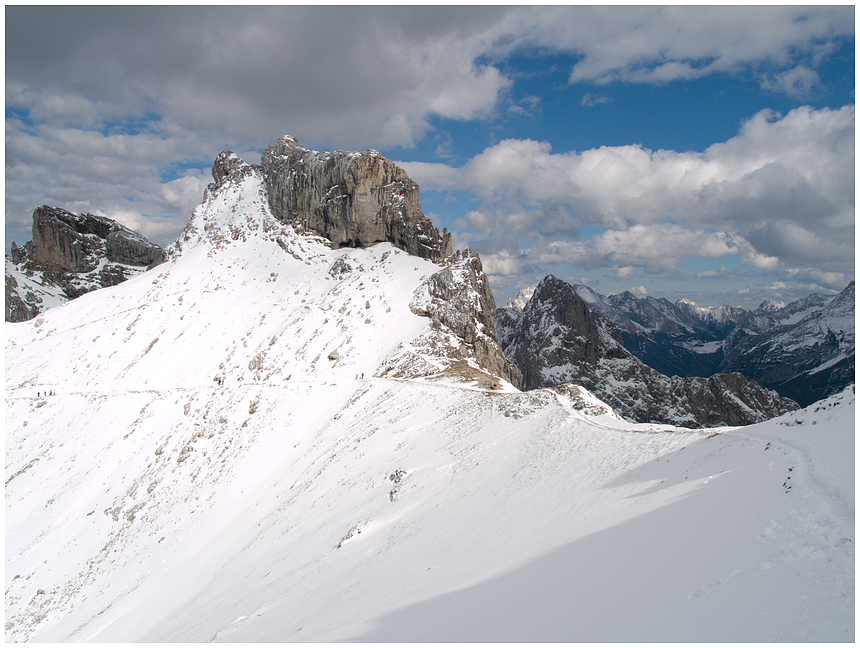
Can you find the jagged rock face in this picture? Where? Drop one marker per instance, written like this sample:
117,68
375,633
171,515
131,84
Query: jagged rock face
77,242
70,255
557,329
16,307
804,350
458,299
557,339
352,199
806,360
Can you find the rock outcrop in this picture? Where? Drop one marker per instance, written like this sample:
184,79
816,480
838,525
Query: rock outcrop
80,242
458,300
557,339
352,199
71,254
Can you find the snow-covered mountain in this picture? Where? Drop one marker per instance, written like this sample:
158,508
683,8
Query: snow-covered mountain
558,339
266,438
804,350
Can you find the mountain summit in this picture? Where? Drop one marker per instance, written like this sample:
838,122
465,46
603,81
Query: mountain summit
280,435
352,199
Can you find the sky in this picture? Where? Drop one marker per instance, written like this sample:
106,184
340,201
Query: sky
680,152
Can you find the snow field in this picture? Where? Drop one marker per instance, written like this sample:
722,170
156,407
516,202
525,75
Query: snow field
146,501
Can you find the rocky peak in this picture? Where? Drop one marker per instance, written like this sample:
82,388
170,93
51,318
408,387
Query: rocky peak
71,254
78,242
557,339
228,166
352,199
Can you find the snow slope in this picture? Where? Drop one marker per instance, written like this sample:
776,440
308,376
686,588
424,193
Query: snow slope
147,500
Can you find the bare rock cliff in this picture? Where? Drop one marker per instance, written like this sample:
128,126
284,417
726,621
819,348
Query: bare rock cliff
352,199
71,254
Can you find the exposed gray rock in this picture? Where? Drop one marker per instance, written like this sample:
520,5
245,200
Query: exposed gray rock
806,357
79,242
458,299
229,167
17,308
352,199
70,255
557,339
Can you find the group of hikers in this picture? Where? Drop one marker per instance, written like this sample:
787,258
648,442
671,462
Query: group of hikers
44,393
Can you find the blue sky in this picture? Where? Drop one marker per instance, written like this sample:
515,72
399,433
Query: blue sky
699,152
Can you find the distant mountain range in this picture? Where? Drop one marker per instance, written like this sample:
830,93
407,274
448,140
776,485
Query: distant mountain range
556,339
804,350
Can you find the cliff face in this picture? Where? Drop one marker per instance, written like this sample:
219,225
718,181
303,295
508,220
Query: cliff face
352,199
557,339
71,254
79,242
458,300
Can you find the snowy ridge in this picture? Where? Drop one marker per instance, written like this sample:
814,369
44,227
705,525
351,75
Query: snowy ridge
241,513
260,440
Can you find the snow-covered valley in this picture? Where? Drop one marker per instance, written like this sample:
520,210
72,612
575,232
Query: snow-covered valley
258,441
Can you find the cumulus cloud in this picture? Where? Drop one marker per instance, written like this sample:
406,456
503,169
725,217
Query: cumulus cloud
115,175
120,110
356,76
650,44
796,82
780,192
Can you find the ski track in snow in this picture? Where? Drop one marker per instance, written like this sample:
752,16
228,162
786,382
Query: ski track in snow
293,502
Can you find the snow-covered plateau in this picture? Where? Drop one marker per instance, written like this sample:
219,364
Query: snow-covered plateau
256,441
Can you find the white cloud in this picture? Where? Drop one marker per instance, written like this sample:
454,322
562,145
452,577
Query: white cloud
781,191
115,175
502,263
816,279
796,82
648,44
655,248
594,99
